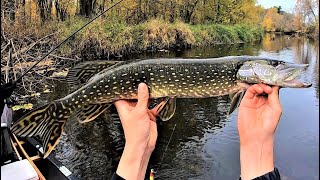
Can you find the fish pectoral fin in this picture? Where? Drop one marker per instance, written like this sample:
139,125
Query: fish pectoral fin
236,100
232,95
83,71
91,112
167,109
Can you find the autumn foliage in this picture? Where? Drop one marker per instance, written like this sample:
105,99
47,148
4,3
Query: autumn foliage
304,20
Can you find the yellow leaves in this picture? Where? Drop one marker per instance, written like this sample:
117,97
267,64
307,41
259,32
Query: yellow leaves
47,62
23,106
251,12
47,91
68,5
298,23
137,11
271,21
62,73
31,95
36,94
268,24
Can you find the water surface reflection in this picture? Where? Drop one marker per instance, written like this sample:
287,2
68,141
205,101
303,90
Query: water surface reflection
205,143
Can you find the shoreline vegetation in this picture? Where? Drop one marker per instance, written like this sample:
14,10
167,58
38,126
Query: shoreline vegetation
30,28
136,26
104,39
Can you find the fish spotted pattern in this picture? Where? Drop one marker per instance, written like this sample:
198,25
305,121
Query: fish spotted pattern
166,78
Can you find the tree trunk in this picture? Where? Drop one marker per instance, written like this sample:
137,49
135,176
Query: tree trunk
23,4
9,9
62,13
45,7
188,11
139,10
172,12
86,7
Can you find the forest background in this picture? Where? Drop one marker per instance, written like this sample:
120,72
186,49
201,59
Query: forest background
30,28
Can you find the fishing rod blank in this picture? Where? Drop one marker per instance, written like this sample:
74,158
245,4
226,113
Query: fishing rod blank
57,46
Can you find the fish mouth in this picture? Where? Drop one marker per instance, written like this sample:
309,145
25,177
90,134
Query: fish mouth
289,75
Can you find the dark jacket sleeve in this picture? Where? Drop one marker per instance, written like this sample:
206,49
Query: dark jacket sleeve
115,176
273,175
5,92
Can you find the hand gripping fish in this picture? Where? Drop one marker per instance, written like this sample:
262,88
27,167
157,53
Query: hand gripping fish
106,82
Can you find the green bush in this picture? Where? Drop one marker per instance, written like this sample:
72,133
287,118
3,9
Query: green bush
109,37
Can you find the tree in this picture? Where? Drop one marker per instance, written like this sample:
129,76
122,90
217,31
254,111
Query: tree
279,9
269,21
63,9
187,9
9,9
308,10
45,8
307,13
86,7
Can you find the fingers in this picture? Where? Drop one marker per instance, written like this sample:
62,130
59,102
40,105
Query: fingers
257,89
253,90
273,98
152,116
266,89
143,96
121,105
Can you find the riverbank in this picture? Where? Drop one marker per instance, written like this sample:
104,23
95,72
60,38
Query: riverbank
104,39
310,32
107,39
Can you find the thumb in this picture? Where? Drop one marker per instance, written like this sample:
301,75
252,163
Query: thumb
143,96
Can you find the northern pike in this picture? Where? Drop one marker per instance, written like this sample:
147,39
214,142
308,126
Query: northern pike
165,78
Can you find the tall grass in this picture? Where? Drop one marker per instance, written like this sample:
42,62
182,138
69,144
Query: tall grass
225,34
105,37
158,34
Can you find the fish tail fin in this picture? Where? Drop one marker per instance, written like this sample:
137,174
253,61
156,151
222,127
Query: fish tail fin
46,123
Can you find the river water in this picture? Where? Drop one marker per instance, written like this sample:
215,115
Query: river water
204,144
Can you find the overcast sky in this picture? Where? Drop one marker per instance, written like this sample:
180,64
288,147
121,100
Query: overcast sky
287,5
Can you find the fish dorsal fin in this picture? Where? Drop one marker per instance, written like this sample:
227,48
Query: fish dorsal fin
235,100
83,71
91,112
167,110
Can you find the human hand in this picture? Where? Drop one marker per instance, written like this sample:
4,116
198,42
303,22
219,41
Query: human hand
259,115
258,119
140,130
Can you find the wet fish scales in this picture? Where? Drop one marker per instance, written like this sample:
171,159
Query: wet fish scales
181,80
171,78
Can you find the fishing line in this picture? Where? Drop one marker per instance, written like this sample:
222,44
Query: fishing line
165,150
57,46
168,142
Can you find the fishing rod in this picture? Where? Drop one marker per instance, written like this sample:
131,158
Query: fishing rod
57,46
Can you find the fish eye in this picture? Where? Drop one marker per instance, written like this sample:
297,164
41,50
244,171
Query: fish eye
277,63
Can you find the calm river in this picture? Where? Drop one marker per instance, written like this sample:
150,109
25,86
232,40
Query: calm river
205,144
